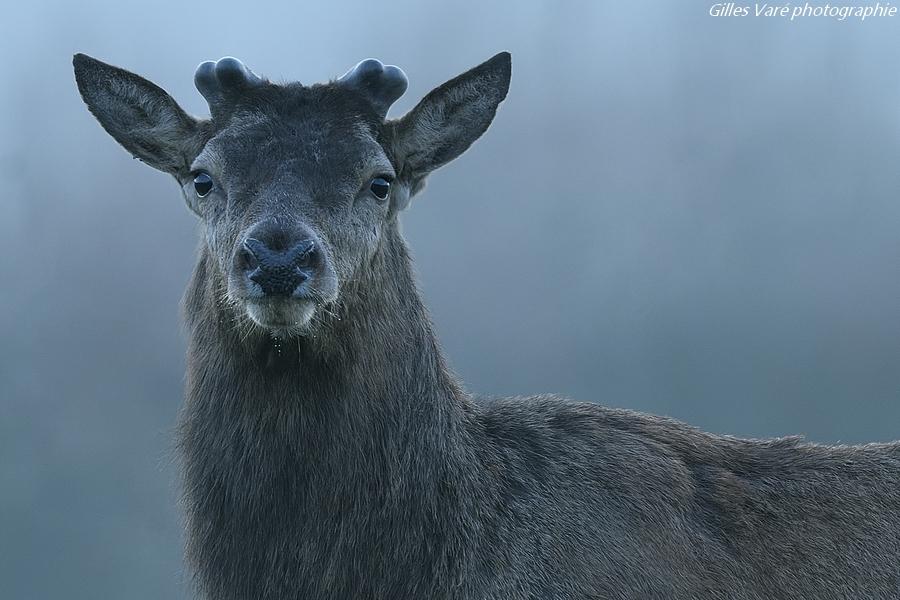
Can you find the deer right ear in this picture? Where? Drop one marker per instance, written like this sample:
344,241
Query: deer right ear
139,115
449,119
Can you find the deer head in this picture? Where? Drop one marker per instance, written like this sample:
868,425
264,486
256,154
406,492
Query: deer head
297,186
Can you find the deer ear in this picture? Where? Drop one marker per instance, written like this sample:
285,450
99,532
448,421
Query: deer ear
138,114
446,122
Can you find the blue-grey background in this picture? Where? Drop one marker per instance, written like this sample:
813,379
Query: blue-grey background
674,213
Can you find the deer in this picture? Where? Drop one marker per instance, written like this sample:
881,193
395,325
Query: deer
328,450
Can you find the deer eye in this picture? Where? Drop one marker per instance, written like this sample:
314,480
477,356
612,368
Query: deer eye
380,186
203,183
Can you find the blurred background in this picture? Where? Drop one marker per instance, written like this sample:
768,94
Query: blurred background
686,215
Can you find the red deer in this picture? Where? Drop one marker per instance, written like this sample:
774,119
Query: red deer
329,452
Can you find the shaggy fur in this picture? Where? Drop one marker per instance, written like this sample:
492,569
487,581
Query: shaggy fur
348,462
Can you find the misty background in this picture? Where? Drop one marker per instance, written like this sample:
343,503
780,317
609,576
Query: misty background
674,213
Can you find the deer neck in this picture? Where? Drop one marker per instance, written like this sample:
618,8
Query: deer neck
362,432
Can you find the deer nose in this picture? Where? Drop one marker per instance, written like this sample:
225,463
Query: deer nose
278,272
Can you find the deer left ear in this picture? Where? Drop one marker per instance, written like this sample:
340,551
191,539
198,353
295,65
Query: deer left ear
138,114
449,119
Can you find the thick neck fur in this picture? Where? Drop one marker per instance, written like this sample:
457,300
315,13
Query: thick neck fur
325,467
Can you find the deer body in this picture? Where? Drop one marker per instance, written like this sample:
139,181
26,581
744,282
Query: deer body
330,453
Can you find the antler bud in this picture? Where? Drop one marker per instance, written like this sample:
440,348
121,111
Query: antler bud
381,84
227,77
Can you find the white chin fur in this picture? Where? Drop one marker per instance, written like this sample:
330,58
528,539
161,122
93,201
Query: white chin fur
281,314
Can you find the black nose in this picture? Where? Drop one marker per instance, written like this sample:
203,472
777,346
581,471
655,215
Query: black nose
278,272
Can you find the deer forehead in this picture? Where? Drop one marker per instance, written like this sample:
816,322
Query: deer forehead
309,152
315,138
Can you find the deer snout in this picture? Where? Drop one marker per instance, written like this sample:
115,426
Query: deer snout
278,269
